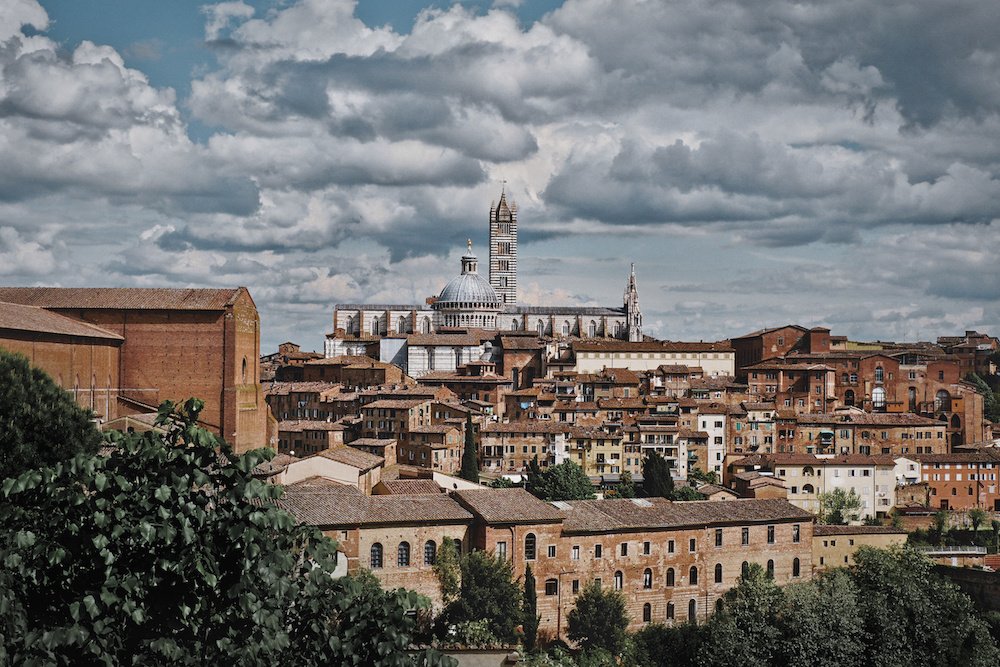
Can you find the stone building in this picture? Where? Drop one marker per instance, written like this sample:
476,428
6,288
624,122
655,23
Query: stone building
835,546
175,344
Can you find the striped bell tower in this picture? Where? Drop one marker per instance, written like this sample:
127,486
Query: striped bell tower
503,249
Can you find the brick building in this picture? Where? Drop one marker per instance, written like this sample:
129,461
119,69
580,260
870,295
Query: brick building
963,480
176,343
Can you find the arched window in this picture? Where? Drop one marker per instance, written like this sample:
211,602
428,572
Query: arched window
956,422
647,578
693,575
244,372
403,554
647,613
670,577
745,569
718,573
375,326
529,546
942,400
540,327
376,558
592,329
808,488
401,325
565,328
349,324
619,580
795,567
770,569
430,552
425,325
670,611
849,397
692,611
879,374
878,397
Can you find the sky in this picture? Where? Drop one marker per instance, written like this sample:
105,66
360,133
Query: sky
762,162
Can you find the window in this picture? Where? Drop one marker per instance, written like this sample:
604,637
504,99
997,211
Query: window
403,554
796,533
430,552
647,613
529,546
670,577
692,545
718,537
745,536
551,551
619,580
670,546
692,610
576,552
376,556
576,586
551,587
879,374
770,569
693,576
597,551
624,548
645,548
770,534
502,550
795,567
718,573
647,578
670,611
745,568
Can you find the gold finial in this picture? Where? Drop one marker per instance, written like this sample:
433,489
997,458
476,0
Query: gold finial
503,186
468,244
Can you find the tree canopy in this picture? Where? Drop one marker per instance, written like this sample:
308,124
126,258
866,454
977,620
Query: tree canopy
488,592
170,551
839,507
656,479
565,481
41,422
598,620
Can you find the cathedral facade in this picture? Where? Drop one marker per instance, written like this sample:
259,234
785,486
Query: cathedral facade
470,301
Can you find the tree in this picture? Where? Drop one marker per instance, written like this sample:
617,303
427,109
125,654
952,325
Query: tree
744,631
839,507
598,619
41,423
488,592
167,551
913,616
502,483
820,622
565,481
977,516
687,493
656,479
625,487
470,464
941,519
991,406
663,646
697,475
531,617
447,569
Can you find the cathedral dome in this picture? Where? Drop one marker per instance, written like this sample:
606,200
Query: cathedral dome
469,290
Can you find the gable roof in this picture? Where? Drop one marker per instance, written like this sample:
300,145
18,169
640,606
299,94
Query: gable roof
122,298
508,506
329,506
18,317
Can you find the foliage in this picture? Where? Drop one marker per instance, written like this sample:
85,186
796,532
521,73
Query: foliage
744,631
488,592
656,479
448,571
168,552
912,616
472,634
995,525
687,493
941,519
991,400
872,521
565,481
42,424
470,464
698,475
839,507
530,606
666,646
502,483
820,622
977,516
598,619
625,487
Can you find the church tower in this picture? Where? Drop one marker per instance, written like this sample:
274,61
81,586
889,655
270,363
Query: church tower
503,250
633,316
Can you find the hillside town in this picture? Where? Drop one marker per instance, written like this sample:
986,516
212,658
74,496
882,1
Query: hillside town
762,433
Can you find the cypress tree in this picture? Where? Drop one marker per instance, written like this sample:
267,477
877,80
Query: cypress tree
470,466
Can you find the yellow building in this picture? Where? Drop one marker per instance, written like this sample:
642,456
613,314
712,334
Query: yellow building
834,546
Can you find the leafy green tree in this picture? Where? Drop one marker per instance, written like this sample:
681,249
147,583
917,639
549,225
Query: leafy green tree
41,423
991,406
598,620
977,516
744,631
668,646
839,507
820,623
531,617
166,552
502,483
913,616
625,487
941,519
698,475
995,525
488,592
448,571
686,493
565,481
470,462
656,479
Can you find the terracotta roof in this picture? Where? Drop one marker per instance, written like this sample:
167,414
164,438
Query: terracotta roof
121,298
448,338
605,516
508,506
778,459
372,442
300,425
433,428
17,317
285,388
822,530
761,332
323,507
395,404
985,455
356,458
411,487
868,419
650,346
533,426
520,343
